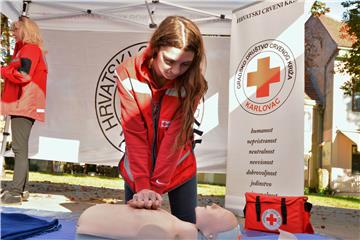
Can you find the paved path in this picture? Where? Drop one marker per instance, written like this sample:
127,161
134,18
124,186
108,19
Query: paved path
336,222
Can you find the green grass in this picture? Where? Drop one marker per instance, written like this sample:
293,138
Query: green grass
82,180
334,201
211,190
203,189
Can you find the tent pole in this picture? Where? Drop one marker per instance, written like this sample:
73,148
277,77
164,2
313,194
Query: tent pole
60,16
205,19
152,24
3,143
5,135
25,9
118,9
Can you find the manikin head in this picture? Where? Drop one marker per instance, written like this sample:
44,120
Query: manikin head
211,220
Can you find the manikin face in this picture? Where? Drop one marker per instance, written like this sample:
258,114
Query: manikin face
213,219
171,62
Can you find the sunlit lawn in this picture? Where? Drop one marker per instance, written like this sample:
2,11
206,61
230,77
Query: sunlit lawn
101,181
83,180
203,189
335,201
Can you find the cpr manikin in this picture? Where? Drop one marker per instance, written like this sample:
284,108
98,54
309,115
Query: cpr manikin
125,222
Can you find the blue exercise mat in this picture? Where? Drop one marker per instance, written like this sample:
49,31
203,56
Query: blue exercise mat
69,220
21,226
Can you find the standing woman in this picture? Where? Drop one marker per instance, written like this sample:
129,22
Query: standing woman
159,93
23,98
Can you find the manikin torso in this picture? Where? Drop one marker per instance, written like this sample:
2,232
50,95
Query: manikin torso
122,222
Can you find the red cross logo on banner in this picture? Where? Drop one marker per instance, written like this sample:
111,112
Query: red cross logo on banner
263,77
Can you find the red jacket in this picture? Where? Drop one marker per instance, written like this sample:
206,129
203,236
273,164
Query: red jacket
150,127
25,94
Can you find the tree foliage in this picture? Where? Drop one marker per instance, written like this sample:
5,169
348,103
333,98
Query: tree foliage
319,8
352,59
5,41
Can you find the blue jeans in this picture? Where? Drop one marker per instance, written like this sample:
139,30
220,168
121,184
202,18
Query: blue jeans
183,200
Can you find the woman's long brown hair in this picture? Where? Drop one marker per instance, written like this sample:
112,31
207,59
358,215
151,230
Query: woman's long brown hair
180,32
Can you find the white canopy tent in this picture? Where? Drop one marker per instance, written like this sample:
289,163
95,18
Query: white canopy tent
108,27
213,17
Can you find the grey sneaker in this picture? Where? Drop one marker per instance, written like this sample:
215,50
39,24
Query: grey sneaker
10,198
25,195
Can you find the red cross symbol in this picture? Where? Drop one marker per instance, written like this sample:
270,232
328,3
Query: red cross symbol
263,77
271,219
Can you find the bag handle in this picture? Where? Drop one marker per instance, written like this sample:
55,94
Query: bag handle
307,206
258,208
283,210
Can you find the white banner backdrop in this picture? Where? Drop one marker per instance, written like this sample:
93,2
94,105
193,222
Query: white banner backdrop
266,101
82,112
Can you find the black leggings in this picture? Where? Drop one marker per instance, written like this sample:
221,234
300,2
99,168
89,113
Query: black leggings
183,200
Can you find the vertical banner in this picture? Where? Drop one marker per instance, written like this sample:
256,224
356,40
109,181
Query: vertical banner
266,101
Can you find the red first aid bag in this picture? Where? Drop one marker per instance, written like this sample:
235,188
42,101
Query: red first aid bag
270,213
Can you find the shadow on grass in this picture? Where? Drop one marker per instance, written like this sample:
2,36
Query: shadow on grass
73,192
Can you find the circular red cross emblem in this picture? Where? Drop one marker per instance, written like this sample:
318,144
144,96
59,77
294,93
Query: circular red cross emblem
271,219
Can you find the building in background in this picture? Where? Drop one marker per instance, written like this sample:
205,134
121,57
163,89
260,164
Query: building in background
334,158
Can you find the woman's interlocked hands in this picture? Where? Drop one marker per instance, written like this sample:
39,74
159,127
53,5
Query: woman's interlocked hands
146,198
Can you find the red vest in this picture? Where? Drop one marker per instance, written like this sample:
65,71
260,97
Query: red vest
150,125
25,95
